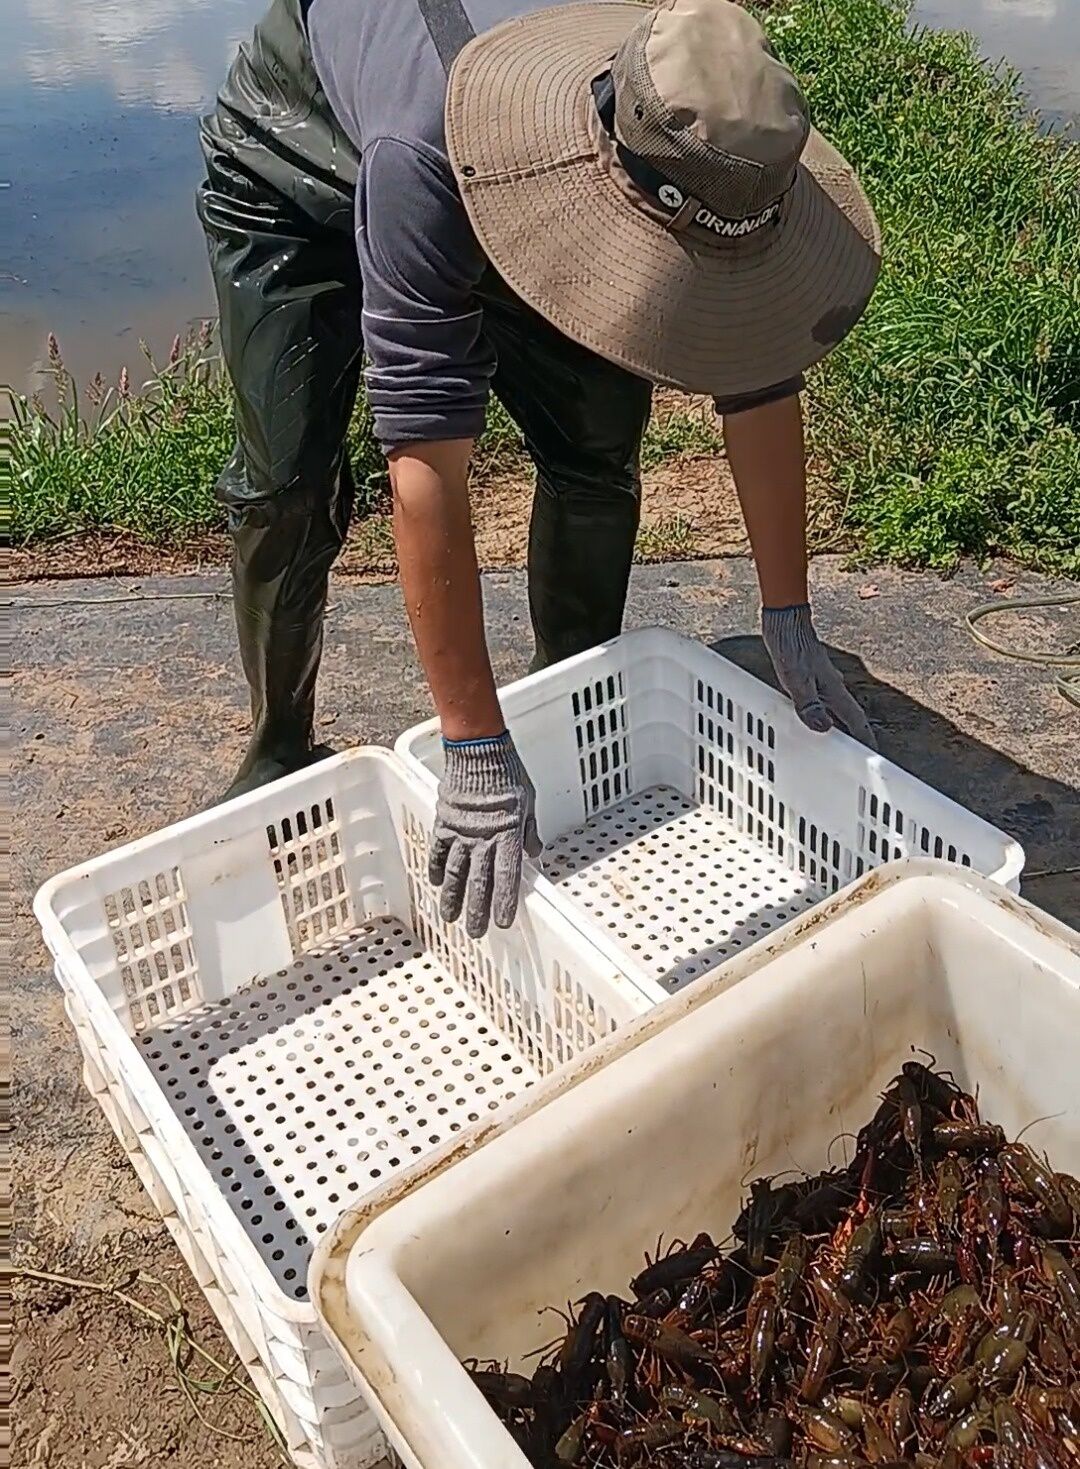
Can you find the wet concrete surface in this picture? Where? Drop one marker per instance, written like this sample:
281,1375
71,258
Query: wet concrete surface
130,714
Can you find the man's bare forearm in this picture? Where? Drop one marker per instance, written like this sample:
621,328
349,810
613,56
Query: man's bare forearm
441,584
767,455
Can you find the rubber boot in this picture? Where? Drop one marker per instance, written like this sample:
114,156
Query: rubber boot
582,419
580,555
280,573
289,295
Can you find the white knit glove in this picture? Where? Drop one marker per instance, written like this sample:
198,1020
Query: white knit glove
808,676
484,821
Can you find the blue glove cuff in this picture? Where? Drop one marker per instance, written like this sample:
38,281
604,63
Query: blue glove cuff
486,742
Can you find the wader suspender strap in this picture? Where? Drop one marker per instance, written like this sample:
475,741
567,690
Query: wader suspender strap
448,26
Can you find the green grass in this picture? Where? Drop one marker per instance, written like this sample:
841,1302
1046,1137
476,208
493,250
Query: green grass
947,424
667,538
681,433
146,458
951,417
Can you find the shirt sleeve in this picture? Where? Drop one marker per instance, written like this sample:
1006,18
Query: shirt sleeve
759,399
429,366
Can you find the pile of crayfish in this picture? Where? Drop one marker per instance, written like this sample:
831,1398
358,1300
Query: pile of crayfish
919,1307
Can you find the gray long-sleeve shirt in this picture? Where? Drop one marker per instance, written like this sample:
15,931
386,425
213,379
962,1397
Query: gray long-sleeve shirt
429,364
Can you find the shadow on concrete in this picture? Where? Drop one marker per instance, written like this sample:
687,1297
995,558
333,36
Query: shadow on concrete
1041,813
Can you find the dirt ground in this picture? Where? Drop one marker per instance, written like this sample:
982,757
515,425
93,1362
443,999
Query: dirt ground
129,713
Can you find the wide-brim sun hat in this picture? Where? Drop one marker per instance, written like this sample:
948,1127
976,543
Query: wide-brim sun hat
649,182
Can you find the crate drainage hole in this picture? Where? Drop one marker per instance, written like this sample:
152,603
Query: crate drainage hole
674,884
316,1085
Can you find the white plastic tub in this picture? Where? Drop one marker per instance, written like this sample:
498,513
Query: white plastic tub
687,812
276,1023
729,1081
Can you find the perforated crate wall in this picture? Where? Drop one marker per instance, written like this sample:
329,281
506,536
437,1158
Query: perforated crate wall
284,1359
736,757
309,865
545,1027
600,726
151,930
152,937
886,831
736,766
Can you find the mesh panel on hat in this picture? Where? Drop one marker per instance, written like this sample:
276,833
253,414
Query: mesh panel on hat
730,185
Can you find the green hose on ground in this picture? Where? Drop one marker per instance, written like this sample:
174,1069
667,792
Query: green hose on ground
1067,684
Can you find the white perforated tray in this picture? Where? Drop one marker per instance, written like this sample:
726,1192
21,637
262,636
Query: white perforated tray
673,885
306,1091
276,1022
688,813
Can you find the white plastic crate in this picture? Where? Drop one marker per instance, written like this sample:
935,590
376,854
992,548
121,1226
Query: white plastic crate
687,812
276,1022
716,1087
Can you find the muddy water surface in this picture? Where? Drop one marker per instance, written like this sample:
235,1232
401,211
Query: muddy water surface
99,158
1041,38
99,161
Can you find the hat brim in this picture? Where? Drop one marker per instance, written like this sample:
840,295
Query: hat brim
725,318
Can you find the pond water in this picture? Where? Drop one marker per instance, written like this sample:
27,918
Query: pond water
99,158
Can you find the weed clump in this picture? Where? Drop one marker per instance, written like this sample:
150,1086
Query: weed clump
950,419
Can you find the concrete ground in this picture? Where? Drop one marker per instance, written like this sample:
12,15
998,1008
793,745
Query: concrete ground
130,713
